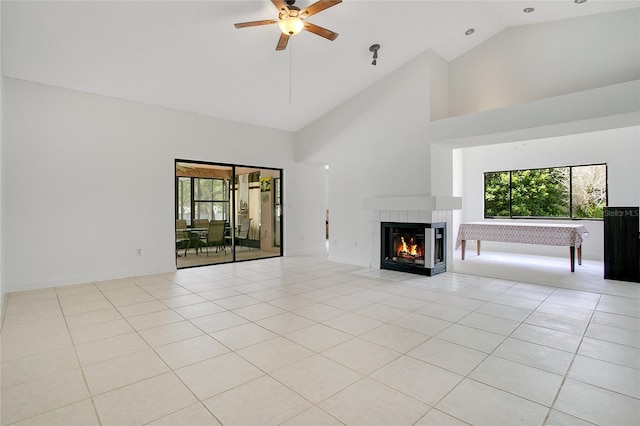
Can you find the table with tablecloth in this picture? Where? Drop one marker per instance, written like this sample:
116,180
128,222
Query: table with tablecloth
552,234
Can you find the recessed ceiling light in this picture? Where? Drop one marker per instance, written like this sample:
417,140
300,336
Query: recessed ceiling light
528,9
579,1
470,31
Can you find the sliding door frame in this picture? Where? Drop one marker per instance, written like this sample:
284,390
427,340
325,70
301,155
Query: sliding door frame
233,213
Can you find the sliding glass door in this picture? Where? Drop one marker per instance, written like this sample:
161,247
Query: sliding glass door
247,200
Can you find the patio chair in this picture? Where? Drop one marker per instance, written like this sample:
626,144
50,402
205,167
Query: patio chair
215,236
243,231
182,237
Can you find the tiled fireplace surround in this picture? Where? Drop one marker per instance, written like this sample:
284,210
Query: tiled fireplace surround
418,209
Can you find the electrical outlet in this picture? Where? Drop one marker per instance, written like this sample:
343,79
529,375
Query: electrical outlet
139,252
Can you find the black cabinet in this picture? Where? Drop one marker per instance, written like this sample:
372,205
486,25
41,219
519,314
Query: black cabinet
622,243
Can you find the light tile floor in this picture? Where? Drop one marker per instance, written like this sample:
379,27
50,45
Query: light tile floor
304,341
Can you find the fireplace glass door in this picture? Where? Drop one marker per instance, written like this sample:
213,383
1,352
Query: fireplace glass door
413,247
408,245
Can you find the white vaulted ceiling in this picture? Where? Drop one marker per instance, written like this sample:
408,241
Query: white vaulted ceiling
187,55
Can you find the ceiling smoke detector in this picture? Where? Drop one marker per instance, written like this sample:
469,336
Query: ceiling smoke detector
374,48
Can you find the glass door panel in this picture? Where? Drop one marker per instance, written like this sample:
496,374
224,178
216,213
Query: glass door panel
248,200
202,195
258,232
183,207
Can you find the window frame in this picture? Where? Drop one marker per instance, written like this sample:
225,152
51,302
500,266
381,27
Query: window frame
570,193
224,200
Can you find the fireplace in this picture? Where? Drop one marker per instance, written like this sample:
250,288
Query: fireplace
418,248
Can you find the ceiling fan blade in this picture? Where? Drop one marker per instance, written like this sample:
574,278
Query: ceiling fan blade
255,23
316,7
281,5
322,32
282,42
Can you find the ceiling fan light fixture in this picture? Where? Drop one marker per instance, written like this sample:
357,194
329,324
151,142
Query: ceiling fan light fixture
291,20
290,25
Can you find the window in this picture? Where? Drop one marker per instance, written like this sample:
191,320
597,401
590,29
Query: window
202,198
575,192
184,199
211,199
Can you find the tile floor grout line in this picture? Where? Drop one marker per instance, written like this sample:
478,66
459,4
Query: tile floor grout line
77,356
566,375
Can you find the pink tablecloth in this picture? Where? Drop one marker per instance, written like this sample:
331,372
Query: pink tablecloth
544,234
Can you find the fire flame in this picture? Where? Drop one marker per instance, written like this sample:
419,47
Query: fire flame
410,249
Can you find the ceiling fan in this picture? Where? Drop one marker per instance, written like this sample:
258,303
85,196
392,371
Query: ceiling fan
291,20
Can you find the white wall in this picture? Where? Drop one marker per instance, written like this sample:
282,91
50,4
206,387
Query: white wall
538,61
92,180
619,149
551,94
378,143
375,145
96,174
2,290
305,207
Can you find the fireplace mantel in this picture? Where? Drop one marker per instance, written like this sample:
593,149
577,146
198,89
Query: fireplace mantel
413,203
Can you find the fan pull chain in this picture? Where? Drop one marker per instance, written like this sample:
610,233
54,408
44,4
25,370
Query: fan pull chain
290,74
